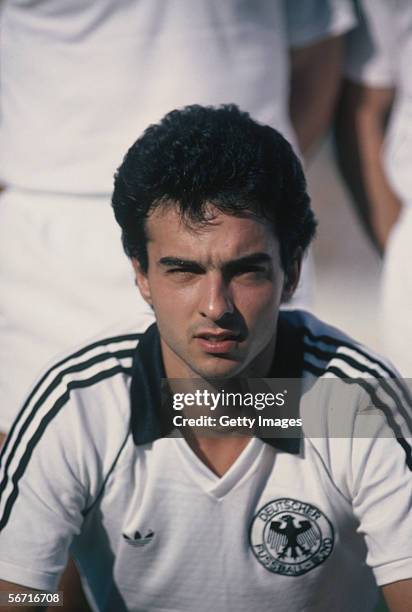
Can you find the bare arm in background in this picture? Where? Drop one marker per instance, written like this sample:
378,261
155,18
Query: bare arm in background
315,77
360,129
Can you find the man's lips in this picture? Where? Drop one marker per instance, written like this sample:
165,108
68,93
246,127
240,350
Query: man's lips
217,342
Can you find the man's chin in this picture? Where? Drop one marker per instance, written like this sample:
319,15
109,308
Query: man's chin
221,370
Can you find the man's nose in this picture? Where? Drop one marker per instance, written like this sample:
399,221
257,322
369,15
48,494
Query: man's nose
216,299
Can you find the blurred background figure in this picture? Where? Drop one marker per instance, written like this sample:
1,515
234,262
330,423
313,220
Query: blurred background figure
80,80
374,142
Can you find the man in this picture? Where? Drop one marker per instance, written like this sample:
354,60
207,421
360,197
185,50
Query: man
375,150
215,218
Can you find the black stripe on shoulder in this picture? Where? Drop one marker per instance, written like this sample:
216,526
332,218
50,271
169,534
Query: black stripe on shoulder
83,351
86,349
338,342
48,417
374,398
75,368
384,382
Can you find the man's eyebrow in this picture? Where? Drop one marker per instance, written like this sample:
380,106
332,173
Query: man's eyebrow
177,261
253,258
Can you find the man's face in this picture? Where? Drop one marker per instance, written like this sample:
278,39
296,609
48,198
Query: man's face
215,291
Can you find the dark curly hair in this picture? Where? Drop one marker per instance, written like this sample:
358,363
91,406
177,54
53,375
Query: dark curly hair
199,156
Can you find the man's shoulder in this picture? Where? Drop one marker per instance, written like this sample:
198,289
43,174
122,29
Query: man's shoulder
88,388
349,388
328,350
342,376
96,361
75,424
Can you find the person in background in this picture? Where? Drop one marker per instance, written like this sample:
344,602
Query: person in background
374,145
77,78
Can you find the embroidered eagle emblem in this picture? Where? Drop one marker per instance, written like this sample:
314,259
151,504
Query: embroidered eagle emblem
290,537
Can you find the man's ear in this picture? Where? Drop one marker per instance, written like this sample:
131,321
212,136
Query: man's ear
141,280
292,276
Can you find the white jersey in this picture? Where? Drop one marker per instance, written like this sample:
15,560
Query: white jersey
380,55
315,523
81,79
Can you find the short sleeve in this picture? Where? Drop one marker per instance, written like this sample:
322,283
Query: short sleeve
41,501
59,452
382,501
371,56
314,20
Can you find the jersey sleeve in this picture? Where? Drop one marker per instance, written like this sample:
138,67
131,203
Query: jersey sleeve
53,464
41,502
371,55
364,439
380,477
313,20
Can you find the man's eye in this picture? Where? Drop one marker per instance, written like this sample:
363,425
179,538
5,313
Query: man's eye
253,271
253,274
182,271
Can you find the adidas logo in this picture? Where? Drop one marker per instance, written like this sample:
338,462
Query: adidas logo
138,539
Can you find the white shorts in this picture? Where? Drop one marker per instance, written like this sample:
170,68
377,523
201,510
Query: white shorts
63,279
396,296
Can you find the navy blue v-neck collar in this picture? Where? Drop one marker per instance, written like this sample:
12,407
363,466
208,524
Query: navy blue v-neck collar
151,420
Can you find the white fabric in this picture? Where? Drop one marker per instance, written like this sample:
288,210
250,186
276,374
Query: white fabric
86,480
80,80
396,294
380,55
63,277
